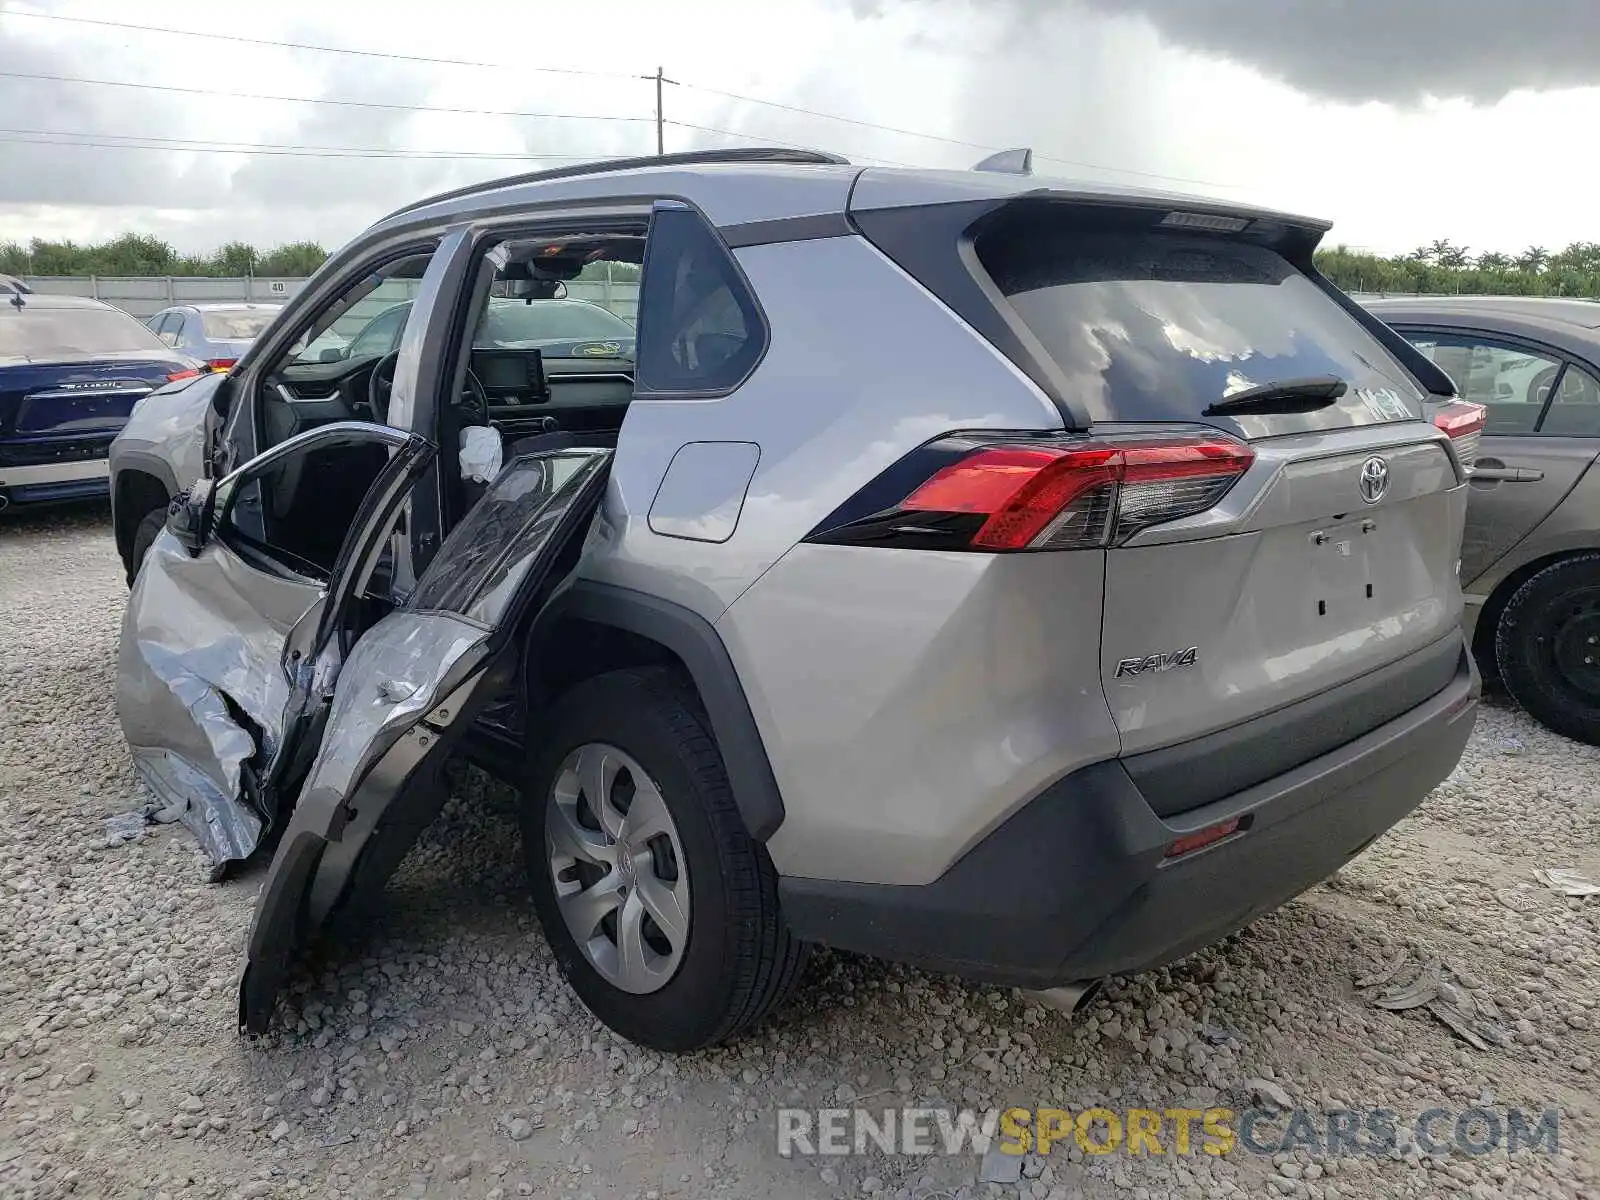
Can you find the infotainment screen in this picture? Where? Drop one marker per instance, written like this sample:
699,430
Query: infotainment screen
512,374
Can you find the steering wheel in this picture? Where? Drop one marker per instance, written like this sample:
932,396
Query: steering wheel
475,401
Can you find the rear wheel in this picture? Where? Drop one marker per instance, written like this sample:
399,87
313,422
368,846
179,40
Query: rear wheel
144,536
1548,647
661,909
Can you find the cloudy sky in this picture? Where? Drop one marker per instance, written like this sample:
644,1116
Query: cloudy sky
1400,120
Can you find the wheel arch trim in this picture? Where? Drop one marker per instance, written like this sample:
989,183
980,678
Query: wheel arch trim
696,643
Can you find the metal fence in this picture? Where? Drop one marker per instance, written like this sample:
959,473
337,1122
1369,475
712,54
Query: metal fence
146,295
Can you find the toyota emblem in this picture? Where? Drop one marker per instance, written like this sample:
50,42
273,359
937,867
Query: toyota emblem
1374,481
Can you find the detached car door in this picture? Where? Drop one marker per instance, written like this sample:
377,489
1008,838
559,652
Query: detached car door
410,688
239,617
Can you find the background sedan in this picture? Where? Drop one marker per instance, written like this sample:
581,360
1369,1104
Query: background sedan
217,333
1530,558
71,370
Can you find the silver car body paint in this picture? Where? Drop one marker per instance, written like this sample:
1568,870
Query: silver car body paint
215,653
199,634
909,703
830,418
167,428
1553,510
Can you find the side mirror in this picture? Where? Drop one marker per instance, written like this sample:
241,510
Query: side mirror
330,354
190,515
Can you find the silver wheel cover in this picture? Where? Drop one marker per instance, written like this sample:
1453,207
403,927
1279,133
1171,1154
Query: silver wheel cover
617,867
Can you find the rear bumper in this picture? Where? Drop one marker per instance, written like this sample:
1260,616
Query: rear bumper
1075,886
83,472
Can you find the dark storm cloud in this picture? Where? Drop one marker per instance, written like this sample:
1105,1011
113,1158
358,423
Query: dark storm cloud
1358,50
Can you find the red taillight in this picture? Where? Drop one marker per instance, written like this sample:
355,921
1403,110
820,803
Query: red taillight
177,375
1463,422
1202,838
1085,494
221,364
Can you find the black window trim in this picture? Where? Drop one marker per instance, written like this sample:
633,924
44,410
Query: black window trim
275,560
1511,341
265,358
763,324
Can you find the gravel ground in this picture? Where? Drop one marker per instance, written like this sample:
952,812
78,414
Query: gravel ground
435,1051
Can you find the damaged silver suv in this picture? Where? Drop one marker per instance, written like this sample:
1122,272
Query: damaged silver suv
999,575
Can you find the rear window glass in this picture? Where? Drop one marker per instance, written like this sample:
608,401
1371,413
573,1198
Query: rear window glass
509,322
236,325
1156,327
38,332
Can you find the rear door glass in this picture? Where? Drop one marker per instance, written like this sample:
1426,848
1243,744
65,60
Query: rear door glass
1511,382
1575,410
1157,327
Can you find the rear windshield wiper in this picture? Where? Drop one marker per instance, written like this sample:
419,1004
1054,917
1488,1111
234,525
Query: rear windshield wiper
1284,396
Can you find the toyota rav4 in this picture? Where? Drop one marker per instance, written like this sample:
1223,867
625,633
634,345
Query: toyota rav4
1019,578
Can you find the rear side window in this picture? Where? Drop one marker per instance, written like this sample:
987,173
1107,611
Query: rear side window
1511,382
700,331
34,331
1149,326
1575,410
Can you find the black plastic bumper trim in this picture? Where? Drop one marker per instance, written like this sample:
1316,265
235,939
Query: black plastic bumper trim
1075,885
1177,778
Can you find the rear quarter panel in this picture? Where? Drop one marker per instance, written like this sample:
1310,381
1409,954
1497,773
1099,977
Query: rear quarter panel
863,366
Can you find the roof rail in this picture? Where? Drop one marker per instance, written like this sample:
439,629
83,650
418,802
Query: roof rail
744,154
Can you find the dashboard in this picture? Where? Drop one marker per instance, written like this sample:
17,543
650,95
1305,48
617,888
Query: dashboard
526,392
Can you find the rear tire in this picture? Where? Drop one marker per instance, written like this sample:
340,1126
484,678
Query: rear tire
1547,644
144,536
738,960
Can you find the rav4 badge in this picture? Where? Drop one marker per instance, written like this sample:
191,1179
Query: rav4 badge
1156,663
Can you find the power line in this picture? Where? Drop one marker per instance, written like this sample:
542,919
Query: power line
424,108
811,112
659,119
250,41
113,141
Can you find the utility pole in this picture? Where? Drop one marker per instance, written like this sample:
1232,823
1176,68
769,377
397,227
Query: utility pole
661,131
661,137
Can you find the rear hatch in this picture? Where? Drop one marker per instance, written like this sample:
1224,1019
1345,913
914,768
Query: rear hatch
77,398
1317,596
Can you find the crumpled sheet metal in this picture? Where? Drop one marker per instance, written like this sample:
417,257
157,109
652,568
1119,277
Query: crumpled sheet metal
393,677
1409,983
227,829
177,660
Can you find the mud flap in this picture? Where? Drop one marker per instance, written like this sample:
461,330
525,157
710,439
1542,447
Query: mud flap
410,689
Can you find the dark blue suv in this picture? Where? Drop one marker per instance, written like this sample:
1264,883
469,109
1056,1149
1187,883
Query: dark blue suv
71,370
